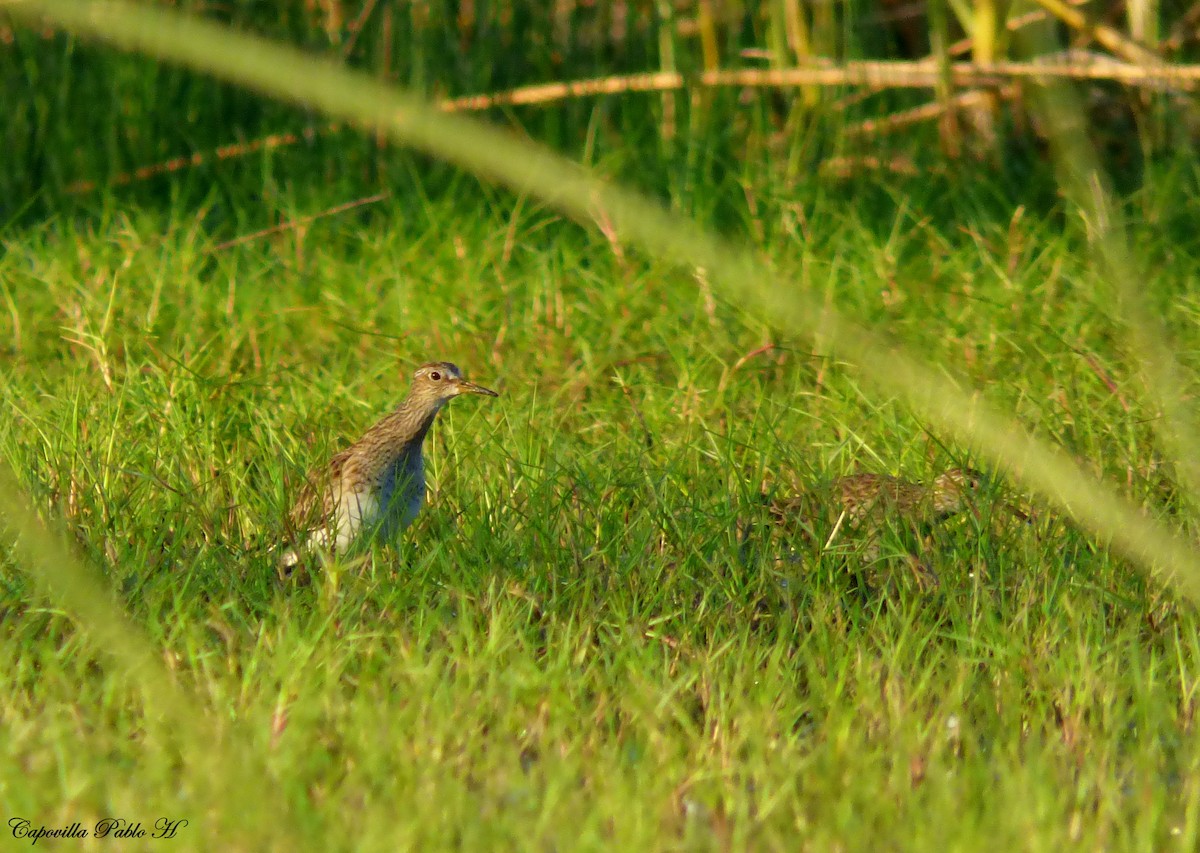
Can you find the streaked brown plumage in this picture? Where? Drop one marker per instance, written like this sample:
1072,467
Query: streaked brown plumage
858,507
862,497
377,485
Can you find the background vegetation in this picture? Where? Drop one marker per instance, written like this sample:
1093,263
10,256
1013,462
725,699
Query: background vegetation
576,646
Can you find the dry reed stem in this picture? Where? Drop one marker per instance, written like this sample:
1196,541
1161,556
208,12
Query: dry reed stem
299,222
224,152
925,112
917,74
1122,46
1015,22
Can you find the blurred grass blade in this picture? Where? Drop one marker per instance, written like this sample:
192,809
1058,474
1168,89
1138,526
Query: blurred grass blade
286,73
1082,179
213,769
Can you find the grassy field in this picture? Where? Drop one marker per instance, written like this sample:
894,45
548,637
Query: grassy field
573,648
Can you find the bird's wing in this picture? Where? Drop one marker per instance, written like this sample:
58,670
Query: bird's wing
860,494
317,497
785,510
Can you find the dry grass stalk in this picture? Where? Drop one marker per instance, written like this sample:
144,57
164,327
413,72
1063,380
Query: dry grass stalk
225,152
1122,46
925,112
962,47
300,222
918,74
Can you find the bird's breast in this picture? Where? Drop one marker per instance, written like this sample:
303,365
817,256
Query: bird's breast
402,490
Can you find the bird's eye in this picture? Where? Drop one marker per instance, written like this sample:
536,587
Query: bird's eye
435,376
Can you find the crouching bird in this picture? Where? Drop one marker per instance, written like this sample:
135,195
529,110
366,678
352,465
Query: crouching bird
862,506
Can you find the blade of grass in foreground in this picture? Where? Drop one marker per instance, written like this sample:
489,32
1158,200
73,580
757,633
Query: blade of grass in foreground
286,73
1149,342
214,768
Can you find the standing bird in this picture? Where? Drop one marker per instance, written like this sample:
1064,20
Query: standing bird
377,485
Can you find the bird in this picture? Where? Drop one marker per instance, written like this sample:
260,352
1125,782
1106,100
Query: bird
864,496
376,486
864,504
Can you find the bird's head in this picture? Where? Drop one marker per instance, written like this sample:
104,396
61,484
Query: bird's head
441,381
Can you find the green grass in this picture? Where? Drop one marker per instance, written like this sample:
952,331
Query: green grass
567,651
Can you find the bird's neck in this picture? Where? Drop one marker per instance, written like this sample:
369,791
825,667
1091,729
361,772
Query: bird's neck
413,418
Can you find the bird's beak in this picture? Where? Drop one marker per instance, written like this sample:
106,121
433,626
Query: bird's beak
465,387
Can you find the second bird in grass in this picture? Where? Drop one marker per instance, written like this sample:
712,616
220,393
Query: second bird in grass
863,498
863,505
377,485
